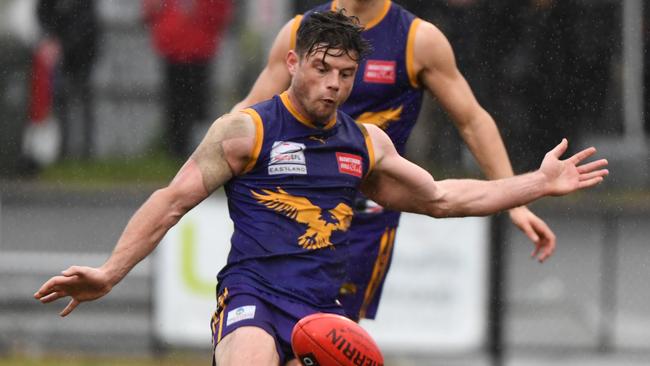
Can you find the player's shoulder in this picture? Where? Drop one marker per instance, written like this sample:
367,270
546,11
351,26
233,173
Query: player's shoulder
430,45
377,136
427,31
290,28
285,39
265,115
241,123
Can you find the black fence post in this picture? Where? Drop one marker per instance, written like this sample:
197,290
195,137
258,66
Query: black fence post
496,307
609,288
158,348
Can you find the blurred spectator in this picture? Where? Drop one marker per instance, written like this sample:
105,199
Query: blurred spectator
72,26
41,142
186,34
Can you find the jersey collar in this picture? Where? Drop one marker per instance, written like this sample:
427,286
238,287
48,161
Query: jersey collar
284,97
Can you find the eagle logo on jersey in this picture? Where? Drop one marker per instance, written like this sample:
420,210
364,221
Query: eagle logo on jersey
381,118
320,224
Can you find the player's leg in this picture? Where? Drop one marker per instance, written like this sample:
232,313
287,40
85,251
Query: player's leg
253,327
247,346
243,330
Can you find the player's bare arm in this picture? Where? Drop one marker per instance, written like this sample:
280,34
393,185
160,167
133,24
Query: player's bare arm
400,185
224,152
437,71
275,77
435,65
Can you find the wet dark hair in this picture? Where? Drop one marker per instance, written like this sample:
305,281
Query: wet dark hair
331,31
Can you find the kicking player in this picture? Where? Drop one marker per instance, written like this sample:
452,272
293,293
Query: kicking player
409,56
291,167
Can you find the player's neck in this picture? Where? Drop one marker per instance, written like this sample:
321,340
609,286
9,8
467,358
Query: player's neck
365,10
305,116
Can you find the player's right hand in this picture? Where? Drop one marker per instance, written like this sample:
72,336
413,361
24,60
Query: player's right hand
80,283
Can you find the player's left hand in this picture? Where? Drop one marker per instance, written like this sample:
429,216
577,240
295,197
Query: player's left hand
570,175
536,230
79,283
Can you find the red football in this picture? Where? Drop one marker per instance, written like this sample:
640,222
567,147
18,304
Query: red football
333,340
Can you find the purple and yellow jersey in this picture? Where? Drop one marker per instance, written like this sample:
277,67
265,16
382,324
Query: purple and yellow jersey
386,91
293,206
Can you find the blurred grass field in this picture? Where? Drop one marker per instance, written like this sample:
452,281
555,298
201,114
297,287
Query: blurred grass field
175,360
154,167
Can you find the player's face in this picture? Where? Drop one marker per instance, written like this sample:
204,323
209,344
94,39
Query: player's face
321,82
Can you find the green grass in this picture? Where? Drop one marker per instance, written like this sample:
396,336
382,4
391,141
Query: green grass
150,168
172,360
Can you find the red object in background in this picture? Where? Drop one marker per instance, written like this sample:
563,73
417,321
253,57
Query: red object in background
41,84
332,340
187,30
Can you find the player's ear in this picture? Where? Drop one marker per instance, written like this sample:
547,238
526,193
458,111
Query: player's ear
292,62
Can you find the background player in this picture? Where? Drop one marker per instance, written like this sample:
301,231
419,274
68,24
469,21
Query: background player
285,162
409,56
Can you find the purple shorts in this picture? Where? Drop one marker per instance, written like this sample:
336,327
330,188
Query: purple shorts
242,305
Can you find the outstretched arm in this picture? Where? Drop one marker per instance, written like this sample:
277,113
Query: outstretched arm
398,184
223,153
437,71
275,77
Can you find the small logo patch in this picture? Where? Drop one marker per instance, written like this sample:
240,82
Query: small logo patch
287,158
378,71
240,313
349,164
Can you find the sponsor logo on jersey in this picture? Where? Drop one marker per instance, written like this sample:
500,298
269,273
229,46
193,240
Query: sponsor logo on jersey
380,72
287,158
240,313
349,164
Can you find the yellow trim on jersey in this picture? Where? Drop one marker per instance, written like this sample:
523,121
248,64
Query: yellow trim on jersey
379,18
213,323
369,147
294,31
259,138
220,324
302,119
410,53
379,270
222,306
373,22
381,119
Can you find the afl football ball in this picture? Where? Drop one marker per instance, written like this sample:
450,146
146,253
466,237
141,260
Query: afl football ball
333,340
